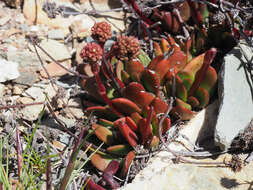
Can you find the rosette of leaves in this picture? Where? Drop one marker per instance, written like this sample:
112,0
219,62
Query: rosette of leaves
129,91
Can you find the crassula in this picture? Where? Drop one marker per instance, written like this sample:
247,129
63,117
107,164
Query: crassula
132,92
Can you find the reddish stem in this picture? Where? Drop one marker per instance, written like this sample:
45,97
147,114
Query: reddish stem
49,174
91,185
19,152
106,65
102,89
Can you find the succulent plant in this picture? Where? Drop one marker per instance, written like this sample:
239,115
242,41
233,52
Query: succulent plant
126,48
130,91
101,31
92,53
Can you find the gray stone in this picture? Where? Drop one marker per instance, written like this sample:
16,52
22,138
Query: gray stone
28,65
35,93
26,59
8,70
30,113
56,34
235,94
54,48
27,77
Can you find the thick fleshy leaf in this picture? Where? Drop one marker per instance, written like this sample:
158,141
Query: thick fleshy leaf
100,161
145,130
210,79
166,125
193,101
129,135
120,150
187,75
135,92
161,66
181,91
183,110
102,111
91,185
158,49
132,89
119,68
109,171
144,98
131,123
105,123
165,45
154,142
127,162
125,106
159,105
203,96
150,81
136,117
134,69
144,58
200,75
103,133
153,63
125,77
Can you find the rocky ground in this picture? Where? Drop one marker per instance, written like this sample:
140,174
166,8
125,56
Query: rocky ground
29,78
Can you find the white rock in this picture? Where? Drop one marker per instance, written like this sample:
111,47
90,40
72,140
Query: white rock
56,34
8,70
236,98
54,48
35,93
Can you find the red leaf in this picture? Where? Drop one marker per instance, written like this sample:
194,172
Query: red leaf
91,185
125,130
209,56
110,170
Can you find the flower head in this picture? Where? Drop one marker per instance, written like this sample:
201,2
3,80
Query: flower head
101,31
127,47
92,53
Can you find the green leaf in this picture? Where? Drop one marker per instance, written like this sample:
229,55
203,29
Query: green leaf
144,58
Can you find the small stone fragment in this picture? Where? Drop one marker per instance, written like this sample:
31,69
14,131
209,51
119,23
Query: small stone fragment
8,70
54,48
55,70
56,34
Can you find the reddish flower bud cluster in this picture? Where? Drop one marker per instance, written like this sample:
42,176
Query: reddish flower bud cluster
127,47
101,32
92,53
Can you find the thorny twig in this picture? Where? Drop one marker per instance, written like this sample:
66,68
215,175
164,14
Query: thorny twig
48,75
20,105
65,68
19,150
